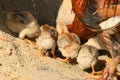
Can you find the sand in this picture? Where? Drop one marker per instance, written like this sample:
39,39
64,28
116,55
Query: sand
21,61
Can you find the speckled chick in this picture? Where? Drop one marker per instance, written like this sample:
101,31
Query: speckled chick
22,22
47,39
87,57
68,43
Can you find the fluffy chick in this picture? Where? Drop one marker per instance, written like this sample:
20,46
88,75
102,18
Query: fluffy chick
68,43
87,57
108,40
47,40
22,22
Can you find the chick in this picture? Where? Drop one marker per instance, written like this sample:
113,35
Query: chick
109,40
47,40
23,23
87,57
68,43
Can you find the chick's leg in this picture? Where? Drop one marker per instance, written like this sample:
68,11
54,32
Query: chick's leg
53,52
41,52
94,74
66,60
109,60
93,70
29,42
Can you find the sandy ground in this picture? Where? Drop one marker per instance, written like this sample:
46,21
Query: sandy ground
21,61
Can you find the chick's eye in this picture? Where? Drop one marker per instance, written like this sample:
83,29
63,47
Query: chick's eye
21,17
52,32
38,33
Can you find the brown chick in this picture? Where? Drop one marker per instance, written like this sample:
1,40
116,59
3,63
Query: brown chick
88,57
22,22
68,43
47,40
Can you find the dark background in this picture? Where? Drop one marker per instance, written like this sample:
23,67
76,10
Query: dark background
45,11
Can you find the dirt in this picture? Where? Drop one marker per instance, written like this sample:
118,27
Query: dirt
21,61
